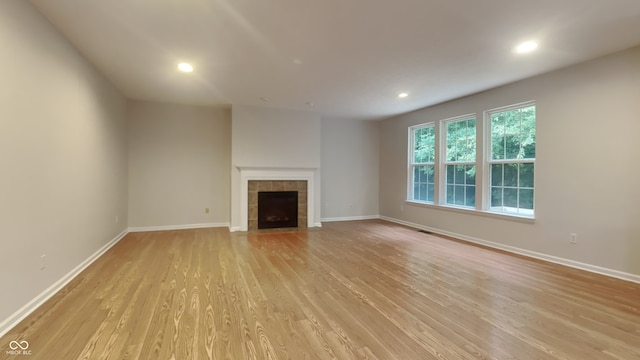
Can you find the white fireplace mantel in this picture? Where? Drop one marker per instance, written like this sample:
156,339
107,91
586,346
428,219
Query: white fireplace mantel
248,173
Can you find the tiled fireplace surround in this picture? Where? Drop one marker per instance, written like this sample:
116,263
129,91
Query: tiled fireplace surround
280,177
255,186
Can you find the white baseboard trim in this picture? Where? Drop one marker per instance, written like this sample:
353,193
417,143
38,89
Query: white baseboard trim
13,320
351,218
532,254
178,227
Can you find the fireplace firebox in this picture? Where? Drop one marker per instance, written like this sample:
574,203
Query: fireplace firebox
277,209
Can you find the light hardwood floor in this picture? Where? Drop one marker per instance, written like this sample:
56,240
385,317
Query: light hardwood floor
352,290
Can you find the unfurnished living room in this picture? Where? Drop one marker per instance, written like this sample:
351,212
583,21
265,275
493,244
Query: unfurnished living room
294,179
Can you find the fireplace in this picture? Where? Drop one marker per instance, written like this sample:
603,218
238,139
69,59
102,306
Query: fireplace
249,180
277,204
277,209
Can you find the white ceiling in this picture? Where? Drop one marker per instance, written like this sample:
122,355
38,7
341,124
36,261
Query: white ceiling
350,58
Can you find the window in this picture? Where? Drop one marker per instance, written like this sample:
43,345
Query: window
511,160
421,163
460,162
446,168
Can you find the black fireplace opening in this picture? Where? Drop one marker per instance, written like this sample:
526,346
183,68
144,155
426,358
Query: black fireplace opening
277,209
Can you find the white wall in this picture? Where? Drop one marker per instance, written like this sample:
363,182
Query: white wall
179,161
586,166
350,154
273,138
63,157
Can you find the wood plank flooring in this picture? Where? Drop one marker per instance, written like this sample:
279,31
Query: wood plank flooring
352,290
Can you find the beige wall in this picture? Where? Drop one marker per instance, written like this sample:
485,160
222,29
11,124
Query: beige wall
269,137
63,157
179,161
586,173
350,153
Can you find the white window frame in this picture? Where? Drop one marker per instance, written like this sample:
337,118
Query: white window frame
486,191
443,160
412,165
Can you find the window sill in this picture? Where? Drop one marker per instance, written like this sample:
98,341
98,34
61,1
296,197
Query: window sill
469,211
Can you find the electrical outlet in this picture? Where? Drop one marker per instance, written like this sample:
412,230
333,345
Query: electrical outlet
43,265
573,238
206,210
117,219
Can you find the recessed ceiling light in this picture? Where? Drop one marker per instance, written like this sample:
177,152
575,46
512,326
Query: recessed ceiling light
403,95
526,47
185,67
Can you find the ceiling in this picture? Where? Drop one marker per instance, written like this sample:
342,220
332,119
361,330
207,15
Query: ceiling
341,58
